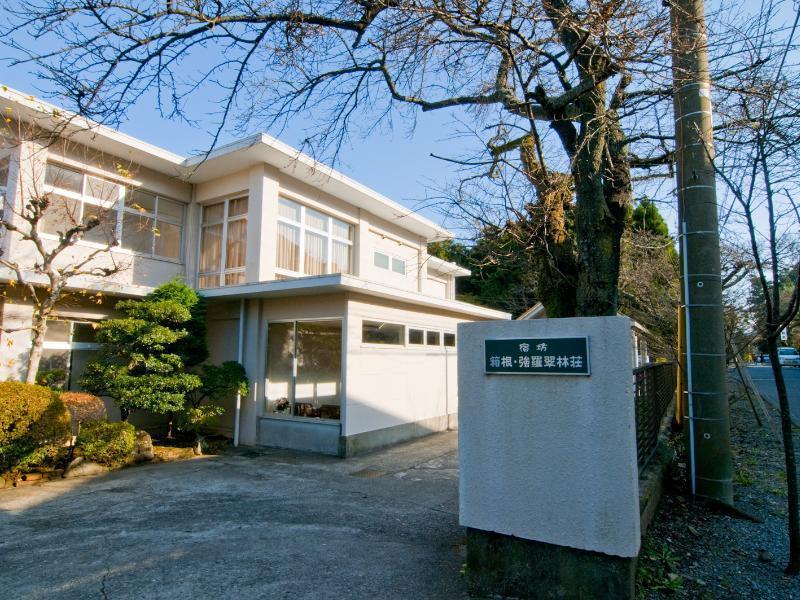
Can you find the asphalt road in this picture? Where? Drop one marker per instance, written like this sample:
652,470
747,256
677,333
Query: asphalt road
273,525
762,377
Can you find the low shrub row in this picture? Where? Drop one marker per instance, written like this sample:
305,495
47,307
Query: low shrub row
37,425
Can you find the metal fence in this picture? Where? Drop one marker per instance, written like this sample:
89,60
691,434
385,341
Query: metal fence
654,390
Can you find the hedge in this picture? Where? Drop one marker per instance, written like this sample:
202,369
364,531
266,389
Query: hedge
106,443
34,426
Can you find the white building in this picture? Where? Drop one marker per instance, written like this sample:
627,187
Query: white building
320,286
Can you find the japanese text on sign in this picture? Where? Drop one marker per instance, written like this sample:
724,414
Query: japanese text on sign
562,356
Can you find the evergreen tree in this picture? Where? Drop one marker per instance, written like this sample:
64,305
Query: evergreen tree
139,366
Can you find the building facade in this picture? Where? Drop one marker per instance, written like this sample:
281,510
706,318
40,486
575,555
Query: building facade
321,287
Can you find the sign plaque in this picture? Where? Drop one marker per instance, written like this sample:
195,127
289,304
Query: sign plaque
537,356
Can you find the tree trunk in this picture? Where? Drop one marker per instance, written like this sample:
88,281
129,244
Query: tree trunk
597,232
35,356
793,568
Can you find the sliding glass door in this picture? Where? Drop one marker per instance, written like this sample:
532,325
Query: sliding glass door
304,369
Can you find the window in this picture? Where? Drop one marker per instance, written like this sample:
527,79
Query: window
311,242
223,243
373,332
136,220
393,263
416,337
68,346
304,369
432,338
450,340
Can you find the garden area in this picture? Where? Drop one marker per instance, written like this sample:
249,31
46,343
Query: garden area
153,359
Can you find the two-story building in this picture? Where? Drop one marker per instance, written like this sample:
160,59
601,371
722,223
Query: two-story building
321,287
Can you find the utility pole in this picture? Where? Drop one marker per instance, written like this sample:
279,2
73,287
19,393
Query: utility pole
703,355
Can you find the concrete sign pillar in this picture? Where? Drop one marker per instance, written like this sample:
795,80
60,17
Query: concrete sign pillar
549,489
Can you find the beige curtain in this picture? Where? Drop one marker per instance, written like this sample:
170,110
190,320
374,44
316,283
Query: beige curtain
316,258
288,247
236,244
341,258
211,249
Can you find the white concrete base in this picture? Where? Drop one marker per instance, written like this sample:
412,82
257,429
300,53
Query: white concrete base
551,458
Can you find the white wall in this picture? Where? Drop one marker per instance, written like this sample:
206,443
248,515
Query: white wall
393,385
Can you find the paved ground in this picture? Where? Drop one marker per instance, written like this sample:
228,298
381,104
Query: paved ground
253,525
762,377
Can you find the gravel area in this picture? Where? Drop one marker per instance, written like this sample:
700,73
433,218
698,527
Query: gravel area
692,551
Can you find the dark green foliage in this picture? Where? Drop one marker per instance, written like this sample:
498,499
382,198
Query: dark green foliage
192,349
106,443
54,378
219,383
34,426
646,217
139,366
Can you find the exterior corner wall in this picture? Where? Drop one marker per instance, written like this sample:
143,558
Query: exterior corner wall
262,228
551,458
397,385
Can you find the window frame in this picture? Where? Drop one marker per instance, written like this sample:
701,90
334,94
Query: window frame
391,262
226,218
404,336
329,236
118,207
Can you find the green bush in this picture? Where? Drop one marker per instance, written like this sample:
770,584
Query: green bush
106,443
34,426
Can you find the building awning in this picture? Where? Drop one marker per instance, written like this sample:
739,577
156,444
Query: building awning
327,284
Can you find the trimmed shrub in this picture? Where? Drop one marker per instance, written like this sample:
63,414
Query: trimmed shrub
106,443
83,407
34,426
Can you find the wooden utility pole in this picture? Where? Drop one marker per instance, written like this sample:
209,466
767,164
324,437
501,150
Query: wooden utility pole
703,354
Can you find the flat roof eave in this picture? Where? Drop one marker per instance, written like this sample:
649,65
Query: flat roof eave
324,284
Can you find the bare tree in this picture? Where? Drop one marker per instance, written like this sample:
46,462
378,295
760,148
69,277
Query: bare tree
758,158
45,229
554,91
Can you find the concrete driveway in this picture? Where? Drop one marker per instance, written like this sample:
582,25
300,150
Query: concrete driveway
270,524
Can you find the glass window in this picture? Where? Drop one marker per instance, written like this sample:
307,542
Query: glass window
450,340
311,242
100,189
64,178
289,210
416,336
4,164
432,338
168,239
304,364
57,331
137,232
288,247
61,214
340,261
105,232
68,345
381,260
142,218
223,243
342,230
374,332
316,258
399,266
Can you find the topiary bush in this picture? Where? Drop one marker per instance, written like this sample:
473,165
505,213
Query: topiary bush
83,407
34,426
106,443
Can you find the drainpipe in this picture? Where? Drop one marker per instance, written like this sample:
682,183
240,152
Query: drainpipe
239,358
